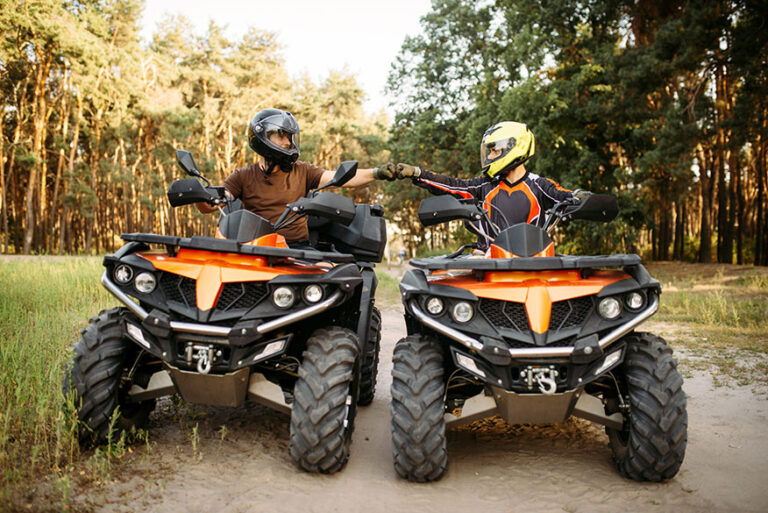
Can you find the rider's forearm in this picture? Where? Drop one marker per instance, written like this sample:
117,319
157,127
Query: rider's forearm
362,177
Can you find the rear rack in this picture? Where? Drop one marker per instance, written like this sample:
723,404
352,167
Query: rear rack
231,246
525,263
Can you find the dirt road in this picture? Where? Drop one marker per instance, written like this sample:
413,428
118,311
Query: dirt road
246,466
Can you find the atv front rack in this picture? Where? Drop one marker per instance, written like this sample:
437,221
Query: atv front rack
525,263
231,246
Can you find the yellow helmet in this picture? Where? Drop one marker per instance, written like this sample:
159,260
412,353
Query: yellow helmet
505,146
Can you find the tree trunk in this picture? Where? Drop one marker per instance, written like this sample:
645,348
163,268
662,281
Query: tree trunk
63,129
64,217
679,245
735,220
3,211
705,233
40,108
761,256
94,162
20,109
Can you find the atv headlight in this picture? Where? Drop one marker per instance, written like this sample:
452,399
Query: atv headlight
609,307
462,312
123,274
313,293
283,297
435,305
145,283
634,300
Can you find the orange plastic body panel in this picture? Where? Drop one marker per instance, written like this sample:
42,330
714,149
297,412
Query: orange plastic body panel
273,240
536,290
211,270
497,252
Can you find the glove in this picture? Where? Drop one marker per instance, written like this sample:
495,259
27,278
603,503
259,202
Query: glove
581,194
385,172
407,171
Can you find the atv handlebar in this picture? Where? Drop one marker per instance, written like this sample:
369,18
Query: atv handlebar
477,219
331,206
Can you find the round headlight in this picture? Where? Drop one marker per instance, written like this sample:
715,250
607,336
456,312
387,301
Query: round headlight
145,283
635,300
462,312
313,293
609,307
123,273
435,305
283,297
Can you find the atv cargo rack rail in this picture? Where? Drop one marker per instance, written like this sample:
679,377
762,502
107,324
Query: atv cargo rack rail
526,263
230,246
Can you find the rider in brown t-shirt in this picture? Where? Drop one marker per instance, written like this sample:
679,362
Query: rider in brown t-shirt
279,178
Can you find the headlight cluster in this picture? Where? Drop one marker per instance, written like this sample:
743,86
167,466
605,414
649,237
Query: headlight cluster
461,312
610,307
285,296
145,282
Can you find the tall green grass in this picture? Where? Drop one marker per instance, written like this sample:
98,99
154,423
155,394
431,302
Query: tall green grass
714,296
719,307
44,303
723,307
388,289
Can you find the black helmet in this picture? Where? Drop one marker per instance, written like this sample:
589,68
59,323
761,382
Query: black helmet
265,123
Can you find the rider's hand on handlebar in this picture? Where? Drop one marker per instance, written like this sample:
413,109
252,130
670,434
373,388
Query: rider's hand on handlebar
385,172
407,171
581,194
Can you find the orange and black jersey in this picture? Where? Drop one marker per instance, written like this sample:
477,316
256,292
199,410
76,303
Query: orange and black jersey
524,201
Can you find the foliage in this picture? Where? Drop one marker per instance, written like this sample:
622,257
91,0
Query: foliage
91,119
644,100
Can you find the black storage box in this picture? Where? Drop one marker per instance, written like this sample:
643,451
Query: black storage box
365,237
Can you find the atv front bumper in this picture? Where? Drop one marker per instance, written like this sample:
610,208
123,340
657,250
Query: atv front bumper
533,352
220,331
497,340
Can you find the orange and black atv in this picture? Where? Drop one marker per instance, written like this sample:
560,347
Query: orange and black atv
239,317
534,337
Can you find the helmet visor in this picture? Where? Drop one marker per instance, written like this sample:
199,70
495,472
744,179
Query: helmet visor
491,151
280,137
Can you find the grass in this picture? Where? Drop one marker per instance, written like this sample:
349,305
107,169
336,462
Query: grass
388,289
720,318
43,305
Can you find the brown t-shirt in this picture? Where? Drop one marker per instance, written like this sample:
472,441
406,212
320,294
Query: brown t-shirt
268,198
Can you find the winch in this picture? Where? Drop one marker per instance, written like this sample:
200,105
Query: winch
544,377
204,354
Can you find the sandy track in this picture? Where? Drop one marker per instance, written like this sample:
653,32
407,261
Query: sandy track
493,467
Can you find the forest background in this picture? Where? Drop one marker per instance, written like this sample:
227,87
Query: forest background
661,103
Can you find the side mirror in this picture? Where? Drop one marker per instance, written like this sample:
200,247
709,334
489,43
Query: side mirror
344,173
187,163
187,191
597,207
441,209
